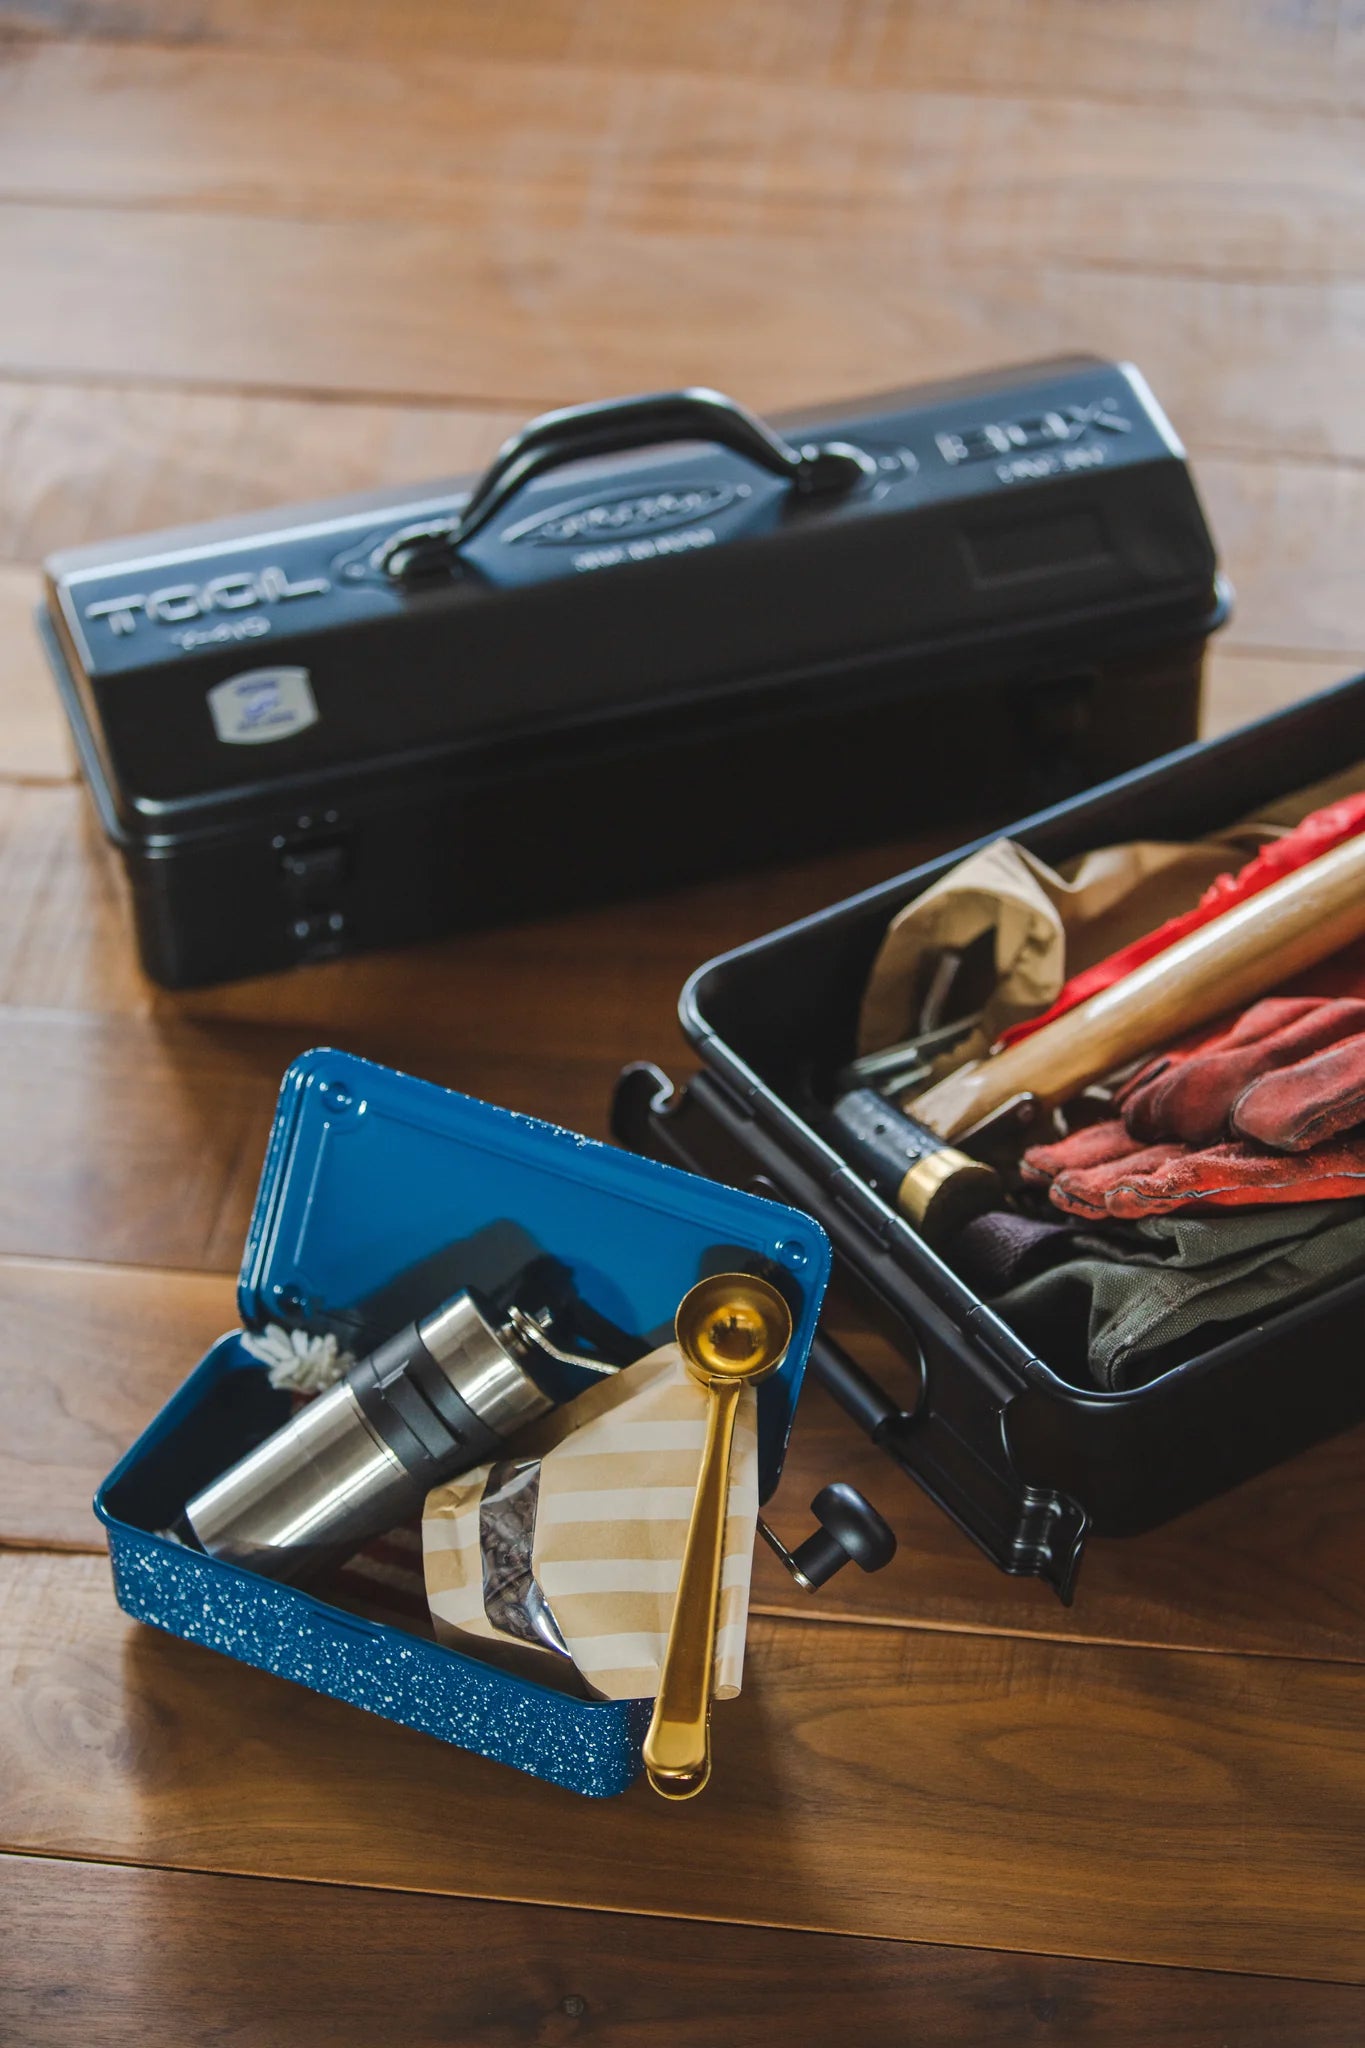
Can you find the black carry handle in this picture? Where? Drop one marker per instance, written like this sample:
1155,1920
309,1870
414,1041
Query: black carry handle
952,1439
579,432
856,1392
1023,1528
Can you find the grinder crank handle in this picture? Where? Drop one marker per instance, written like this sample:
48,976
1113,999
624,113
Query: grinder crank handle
850,1532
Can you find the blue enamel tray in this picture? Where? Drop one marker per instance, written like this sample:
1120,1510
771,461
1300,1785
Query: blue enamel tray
380,1195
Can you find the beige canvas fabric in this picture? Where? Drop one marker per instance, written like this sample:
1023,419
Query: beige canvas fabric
1052,923
618,1472
1048,924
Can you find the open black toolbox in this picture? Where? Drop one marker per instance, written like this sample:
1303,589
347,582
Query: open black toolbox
1024,1461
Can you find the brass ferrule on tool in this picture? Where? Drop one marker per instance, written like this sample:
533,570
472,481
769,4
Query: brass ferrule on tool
934,1185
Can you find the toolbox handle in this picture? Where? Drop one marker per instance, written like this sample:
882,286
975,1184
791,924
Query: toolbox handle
1023,1528
855,1390
577,433
953,1438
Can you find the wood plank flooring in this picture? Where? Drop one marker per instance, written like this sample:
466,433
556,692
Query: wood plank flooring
258,253
104,1952
1163,1807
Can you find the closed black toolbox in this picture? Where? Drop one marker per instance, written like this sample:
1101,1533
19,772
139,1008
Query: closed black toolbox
656,640
1023,1459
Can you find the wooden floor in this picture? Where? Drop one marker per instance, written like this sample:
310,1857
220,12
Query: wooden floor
253,250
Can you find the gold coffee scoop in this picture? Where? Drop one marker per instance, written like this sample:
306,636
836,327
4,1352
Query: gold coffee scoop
731,1330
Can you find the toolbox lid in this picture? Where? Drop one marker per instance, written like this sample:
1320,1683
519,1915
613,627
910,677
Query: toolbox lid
381,1195
998,523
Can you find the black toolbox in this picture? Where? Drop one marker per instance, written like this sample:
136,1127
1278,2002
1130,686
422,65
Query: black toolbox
1022,1459
632,654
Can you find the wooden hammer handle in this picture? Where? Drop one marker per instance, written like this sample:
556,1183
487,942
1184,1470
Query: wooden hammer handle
1224,965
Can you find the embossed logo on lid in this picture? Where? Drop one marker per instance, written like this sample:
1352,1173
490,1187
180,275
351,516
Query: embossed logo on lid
623,515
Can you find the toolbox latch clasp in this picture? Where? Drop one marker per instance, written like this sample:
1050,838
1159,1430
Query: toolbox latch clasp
314,873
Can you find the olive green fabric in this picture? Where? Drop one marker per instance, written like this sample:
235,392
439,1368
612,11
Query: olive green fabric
1130,1301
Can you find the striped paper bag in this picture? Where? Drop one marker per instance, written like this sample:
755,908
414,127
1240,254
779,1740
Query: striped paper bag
570,1551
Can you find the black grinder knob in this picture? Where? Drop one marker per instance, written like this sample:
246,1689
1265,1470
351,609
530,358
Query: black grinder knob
851,1532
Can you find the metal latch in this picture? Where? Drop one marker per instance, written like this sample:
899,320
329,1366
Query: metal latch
314,873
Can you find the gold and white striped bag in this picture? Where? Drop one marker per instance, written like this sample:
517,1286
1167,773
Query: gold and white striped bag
571,1550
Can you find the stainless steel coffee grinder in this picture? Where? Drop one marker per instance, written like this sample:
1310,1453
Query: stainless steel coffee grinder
443,1395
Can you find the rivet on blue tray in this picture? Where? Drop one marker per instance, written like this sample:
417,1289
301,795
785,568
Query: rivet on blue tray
793,1251
336,1094
289,1298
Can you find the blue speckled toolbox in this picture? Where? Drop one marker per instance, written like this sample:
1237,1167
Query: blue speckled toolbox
374,1183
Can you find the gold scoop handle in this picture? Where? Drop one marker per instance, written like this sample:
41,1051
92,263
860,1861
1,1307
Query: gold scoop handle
678,1746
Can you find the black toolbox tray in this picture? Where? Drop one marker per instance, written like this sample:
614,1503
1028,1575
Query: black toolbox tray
1024,1461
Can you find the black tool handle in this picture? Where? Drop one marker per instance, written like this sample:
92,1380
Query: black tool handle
880,1140
933,1184
579,433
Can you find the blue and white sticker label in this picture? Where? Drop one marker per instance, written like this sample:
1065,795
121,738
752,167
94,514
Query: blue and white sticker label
261,705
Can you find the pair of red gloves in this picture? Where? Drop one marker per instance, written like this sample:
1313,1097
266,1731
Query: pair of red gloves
1270,1110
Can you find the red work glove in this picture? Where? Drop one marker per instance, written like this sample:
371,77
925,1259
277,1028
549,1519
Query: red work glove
1290,1074
1103,1171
